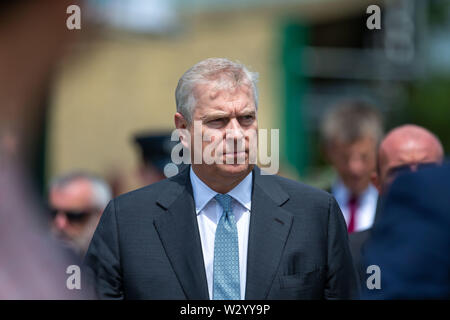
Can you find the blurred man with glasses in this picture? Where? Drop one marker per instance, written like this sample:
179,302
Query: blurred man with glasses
77,201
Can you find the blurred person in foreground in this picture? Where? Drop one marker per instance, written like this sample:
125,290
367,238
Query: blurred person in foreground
350,132
411,241
33,36
404,148
77,201
221,229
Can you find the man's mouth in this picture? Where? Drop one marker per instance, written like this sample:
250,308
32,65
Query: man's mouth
235,154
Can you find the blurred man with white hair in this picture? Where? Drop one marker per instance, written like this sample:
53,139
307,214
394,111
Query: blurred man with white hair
77,201
350,133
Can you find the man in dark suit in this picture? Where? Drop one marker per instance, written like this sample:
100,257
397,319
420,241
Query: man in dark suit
411,241
221,229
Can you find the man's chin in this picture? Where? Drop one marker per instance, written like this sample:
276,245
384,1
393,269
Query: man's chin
358,188
234,169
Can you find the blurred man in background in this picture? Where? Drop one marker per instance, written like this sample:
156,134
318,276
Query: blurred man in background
351,132
77,201
155,163
405,148
156,157
155,152
411,241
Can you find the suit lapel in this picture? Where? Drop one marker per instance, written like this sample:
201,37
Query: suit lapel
178,231
269,228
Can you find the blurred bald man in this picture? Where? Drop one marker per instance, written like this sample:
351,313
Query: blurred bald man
405,148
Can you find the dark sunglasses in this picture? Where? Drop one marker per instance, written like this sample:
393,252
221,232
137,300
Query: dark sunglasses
409,168
72,215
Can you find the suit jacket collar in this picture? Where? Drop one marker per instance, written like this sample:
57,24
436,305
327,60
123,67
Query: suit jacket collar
270,187
270,225
178,231
269,228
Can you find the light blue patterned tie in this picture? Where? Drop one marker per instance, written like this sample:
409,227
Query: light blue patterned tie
226,284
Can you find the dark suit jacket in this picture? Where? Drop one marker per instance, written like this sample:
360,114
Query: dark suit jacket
357,241
411,241
147,244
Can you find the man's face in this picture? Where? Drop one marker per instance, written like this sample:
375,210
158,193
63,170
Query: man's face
74,219
354,162
228,117
400,156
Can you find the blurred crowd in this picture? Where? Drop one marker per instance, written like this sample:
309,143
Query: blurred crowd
392,186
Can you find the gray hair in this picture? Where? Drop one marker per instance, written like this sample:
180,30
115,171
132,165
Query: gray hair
101,191
351,120
225,73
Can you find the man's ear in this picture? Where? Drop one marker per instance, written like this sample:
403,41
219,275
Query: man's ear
375,178
180,121
182,126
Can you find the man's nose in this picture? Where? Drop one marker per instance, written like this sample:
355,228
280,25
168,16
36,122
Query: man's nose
356,166
234,130
60,221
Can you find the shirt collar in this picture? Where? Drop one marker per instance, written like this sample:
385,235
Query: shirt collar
342,194
340,191
242,193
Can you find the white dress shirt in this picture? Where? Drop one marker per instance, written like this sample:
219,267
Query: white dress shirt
367,205
209,212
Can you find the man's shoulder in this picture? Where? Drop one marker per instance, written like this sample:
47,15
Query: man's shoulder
438,176
142,192
146,195
311,204
156,190
428,188
293,187
296,194
170,188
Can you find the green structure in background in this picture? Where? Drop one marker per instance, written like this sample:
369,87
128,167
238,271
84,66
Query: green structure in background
295,149
429,107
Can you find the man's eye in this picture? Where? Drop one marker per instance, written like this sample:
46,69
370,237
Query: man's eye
216,122
246,119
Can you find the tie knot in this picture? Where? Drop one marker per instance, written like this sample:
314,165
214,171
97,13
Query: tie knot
353,200
224,200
